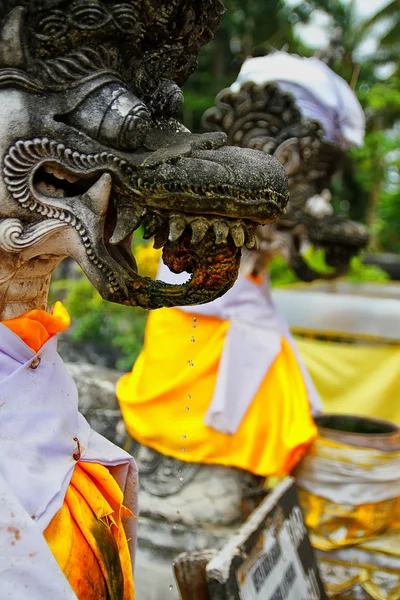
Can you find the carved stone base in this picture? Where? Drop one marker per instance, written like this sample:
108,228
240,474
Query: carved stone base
183,507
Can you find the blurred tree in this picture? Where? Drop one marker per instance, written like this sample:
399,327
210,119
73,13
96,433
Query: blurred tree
361,187
362,182
391,38
250,27
354,31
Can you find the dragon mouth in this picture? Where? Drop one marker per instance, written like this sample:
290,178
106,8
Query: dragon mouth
205,245
201,206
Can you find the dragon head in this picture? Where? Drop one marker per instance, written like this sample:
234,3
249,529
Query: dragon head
267,118
91,151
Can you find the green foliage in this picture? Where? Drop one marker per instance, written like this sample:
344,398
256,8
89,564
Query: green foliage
377,175
281,274
95,320
388,224
360,273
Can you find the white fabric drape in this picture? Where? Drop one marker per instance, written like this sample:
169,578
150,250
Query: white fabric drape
39,426
319,92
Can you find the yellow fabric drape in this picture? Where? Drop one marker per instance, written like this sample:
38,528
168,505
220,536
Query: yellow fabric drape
355,379
165,398
367,530
86,536
334,519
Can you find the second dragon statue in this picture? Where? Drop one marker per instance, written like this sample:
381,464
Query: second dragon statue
232,395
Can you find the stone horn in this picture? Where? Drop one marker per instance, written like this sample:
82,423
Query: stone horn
11,47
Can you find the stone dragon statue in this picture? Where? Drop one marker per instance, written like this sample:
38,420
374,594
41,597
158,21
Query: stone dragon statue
90,151
266,118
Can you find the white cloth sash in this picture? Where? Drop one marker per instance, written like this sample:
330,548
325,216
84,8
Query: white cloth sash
40,427
252,343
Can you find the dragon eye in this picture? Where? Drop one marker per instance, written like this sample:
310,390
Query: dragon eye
85,15
112,115
167,99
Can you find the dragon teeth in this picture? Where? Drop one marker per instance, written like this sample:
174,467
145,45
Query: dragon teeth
128,219
237,234
98,196
170,227
251,240
160,238
60,173
221,230
152,223
177,225
199,229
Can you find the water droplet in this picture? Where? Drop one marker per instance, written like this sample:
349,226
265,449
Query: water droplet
181,478
184,437
183,449
194,319
178,512
171,587
189,362
189,397
174,526
187,408
194,326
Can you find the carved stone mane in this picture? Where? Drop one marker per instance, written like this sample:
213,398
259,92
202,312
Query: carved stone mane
146,42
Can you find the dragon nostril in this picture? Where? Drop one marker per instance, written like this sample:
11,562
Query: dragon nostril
112,115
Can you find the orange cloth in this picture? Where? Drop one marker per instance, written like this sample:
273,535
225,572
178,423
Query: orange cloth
36,327
165,398
86,536
88,531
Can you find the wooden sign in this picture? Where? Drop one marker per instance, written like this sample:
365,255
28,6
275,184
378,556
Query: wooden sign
270,558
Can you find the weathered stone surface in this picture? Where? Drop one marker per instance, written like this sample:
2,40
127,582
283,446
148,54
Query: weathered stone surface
93,353
97,400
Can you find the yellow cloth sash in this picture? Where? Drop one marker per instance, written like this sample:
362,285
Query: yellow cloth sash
355,379
165,398
86,536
